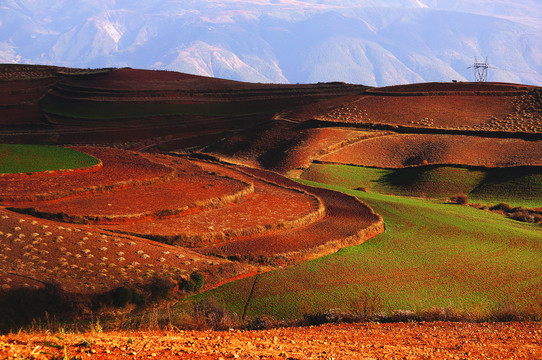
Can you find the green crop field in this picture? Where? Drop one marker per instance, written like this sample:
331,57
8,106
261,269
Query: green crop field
32,158
119,111
521,186
431,255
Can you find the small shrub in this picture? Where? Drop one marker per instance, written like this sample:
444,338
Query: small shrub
161,287
460,199
259,323
121,296
367,305
504,207
193,284
209,314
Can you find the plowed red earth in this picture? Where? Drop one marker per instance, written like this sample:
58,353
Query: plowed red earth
438,340
250,148
492,107
120,168
84,259
270,207
443,111
404,150
193,191
347,222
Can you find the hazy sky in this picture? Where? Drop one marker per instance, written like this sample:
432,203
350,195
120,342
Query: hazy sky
374,42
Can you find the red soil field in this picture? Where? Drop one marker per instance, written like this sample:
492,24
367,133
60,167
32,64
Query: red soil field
438,111
398,151
120,169
85,259
194,191
488,107
217,208
347,222
270,207
285,147
446,88
32,123
430,340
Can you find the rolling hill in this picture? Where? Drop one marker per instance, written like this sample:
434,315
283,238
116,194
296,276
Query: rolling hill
194,187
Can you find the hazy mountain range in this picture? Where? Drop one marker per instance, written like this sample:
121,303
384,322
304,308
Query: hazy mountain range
372,42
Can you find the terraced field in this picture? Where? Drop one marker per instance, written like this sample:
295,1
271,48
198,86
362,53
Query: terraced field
120,169
493,107
413,150
81,232
134,218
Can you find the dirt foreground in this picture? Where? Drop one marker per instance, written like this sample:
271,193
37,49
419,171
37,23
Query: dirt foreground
432,340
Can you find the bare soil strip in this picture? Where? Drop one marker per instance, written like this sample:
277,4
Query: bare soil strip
432,340
399,151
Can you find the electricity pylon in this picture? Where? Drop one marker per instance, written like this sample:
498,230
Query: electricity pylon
480,70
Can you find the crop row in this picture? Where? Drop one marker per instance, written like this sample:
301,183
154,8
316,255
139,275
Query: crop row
34,252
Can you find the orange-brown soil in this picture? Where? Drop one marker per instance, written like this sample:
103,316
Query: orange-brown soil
398,151
439,111
216,208
489,107
84,259
347,222
285,147
271,207
432,340
193,191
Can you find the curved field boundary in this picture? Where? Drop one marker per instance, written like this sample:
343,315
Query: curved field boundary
425,130
48,173
128,168
400,150
348,222
70,216
183,231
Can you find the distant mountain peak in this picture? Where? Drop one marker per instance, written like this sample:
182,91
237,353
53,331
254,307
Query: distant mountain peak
292,41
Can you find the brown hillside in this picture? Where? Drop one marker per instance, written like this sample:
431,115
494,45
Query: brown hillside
396,151
491,107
